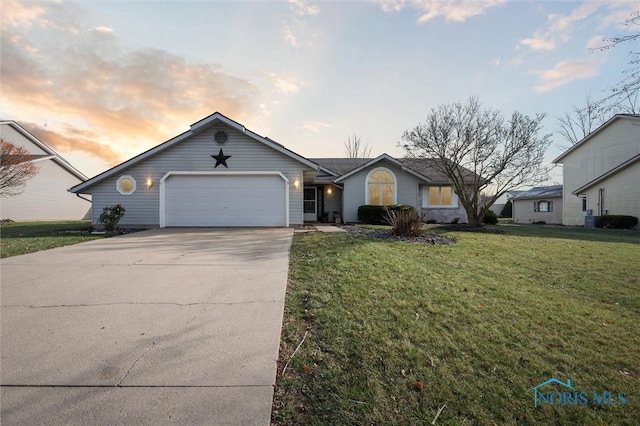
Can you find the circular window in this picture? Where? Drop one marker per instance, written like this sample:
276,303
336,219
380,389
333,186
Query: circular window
126,185
221,137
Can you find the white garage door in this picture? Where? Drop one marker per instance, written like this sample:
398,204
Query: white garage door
237,200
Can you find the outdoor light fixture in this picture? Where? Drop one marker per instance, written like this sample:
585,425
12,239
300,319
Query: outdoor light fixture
296,183
329,191
149,183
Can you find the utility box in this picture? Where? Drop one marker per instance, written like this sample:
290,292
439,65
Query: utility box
590,221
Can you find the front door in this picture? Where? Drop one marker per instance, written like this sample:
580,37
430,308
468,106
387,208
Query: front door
310,204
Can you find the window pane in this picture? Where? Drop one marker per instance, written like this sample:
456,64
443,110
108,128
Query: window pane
544,206
381,177
309,206
374,195
434,196
445,193
387,195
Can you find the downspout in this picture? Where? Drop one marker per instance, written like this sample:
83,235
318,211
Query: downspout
80,196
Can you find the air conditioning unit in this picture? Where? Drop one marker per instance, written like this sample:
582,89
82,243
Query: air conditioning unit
590,221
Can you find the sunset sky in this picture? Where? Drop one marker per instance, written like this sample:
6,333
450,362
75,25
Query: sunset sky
101,81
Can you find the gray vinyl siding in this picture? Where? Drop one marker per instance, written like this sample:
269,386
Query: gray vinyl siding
194,154
408,187
442,214
45,197
332,202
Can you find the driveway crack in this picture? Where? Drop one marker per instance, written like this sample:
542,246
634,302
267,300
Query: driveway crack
134,364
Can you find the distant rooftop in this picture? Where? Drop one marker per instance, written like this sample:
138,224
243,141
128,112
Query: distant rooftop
553,191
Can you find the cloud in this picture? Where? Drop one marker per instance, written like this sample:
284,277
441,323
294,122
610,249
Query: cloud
451,10
540,41
597,42
559,27
130,99
565,72
290,38
302,8
285,85
297,28
315,126
73,139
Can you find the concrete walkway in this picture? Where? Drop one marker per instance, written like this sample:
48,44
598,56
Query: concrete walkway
158,327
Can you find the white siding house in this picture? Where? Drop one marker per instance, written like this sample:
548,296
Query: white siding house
45,196
601,173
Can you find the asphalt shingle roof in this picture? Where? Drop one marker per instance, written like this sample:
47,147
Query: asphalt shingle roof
344,165
541,192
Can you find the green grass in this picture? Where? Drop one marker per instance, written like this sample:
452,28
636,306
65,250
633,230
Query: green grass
479,323
28,237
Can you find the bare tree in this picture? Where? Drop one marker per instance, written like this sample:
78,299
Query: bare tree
581,121
624,95
354,148
477,149
16,168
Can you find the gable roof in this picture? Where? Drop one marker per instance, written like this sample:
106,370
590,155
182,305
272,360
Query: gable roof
424,167
51,153
553,191
608,174
194,129
595,132
383,157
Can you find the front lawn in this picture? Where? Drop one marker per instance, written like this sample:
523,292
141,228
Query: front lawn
475,325
27,237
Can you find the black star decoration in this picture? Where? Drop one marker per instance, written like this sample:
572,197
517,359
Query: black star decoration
221,159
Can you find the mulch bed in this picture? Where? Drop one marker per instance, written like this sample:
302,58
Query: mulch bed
384,234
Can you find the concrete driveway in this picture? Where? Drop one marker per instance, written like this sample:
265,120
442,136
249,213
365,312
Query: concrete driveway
168,326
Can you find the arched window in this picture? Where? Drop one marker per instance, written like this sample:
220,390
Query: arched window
380,187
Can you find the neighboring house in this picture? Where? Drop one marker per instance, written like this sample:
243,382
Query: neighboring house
45,196
601,173
540,204
220,173
502,200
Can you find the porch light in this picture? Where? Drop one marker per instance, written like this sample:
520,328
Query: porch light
296,183
149,183
329,191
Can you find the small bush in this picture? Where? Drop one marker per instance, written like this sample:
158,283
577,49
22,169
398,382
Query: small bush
507,210
616,221
489,217
376,215
404,222
455,220
110,217
539,222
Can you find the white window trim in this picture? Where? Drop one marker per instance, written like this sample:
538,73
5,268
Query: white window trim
395,184
455,202
120,179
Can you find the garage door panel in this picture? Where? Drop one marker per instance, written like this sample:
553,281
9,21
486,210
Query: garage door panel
214,200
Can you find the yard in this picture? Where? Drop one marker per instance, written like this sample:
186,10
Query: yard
405,333
28,237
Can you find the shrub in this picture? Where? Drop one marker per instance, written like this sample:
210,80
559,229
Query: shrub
110,217
507,210
616,221
404,222
489,217
376,215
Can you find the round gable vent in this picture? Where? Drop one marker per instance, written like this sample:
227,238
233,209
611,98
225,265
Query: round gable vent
221,137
